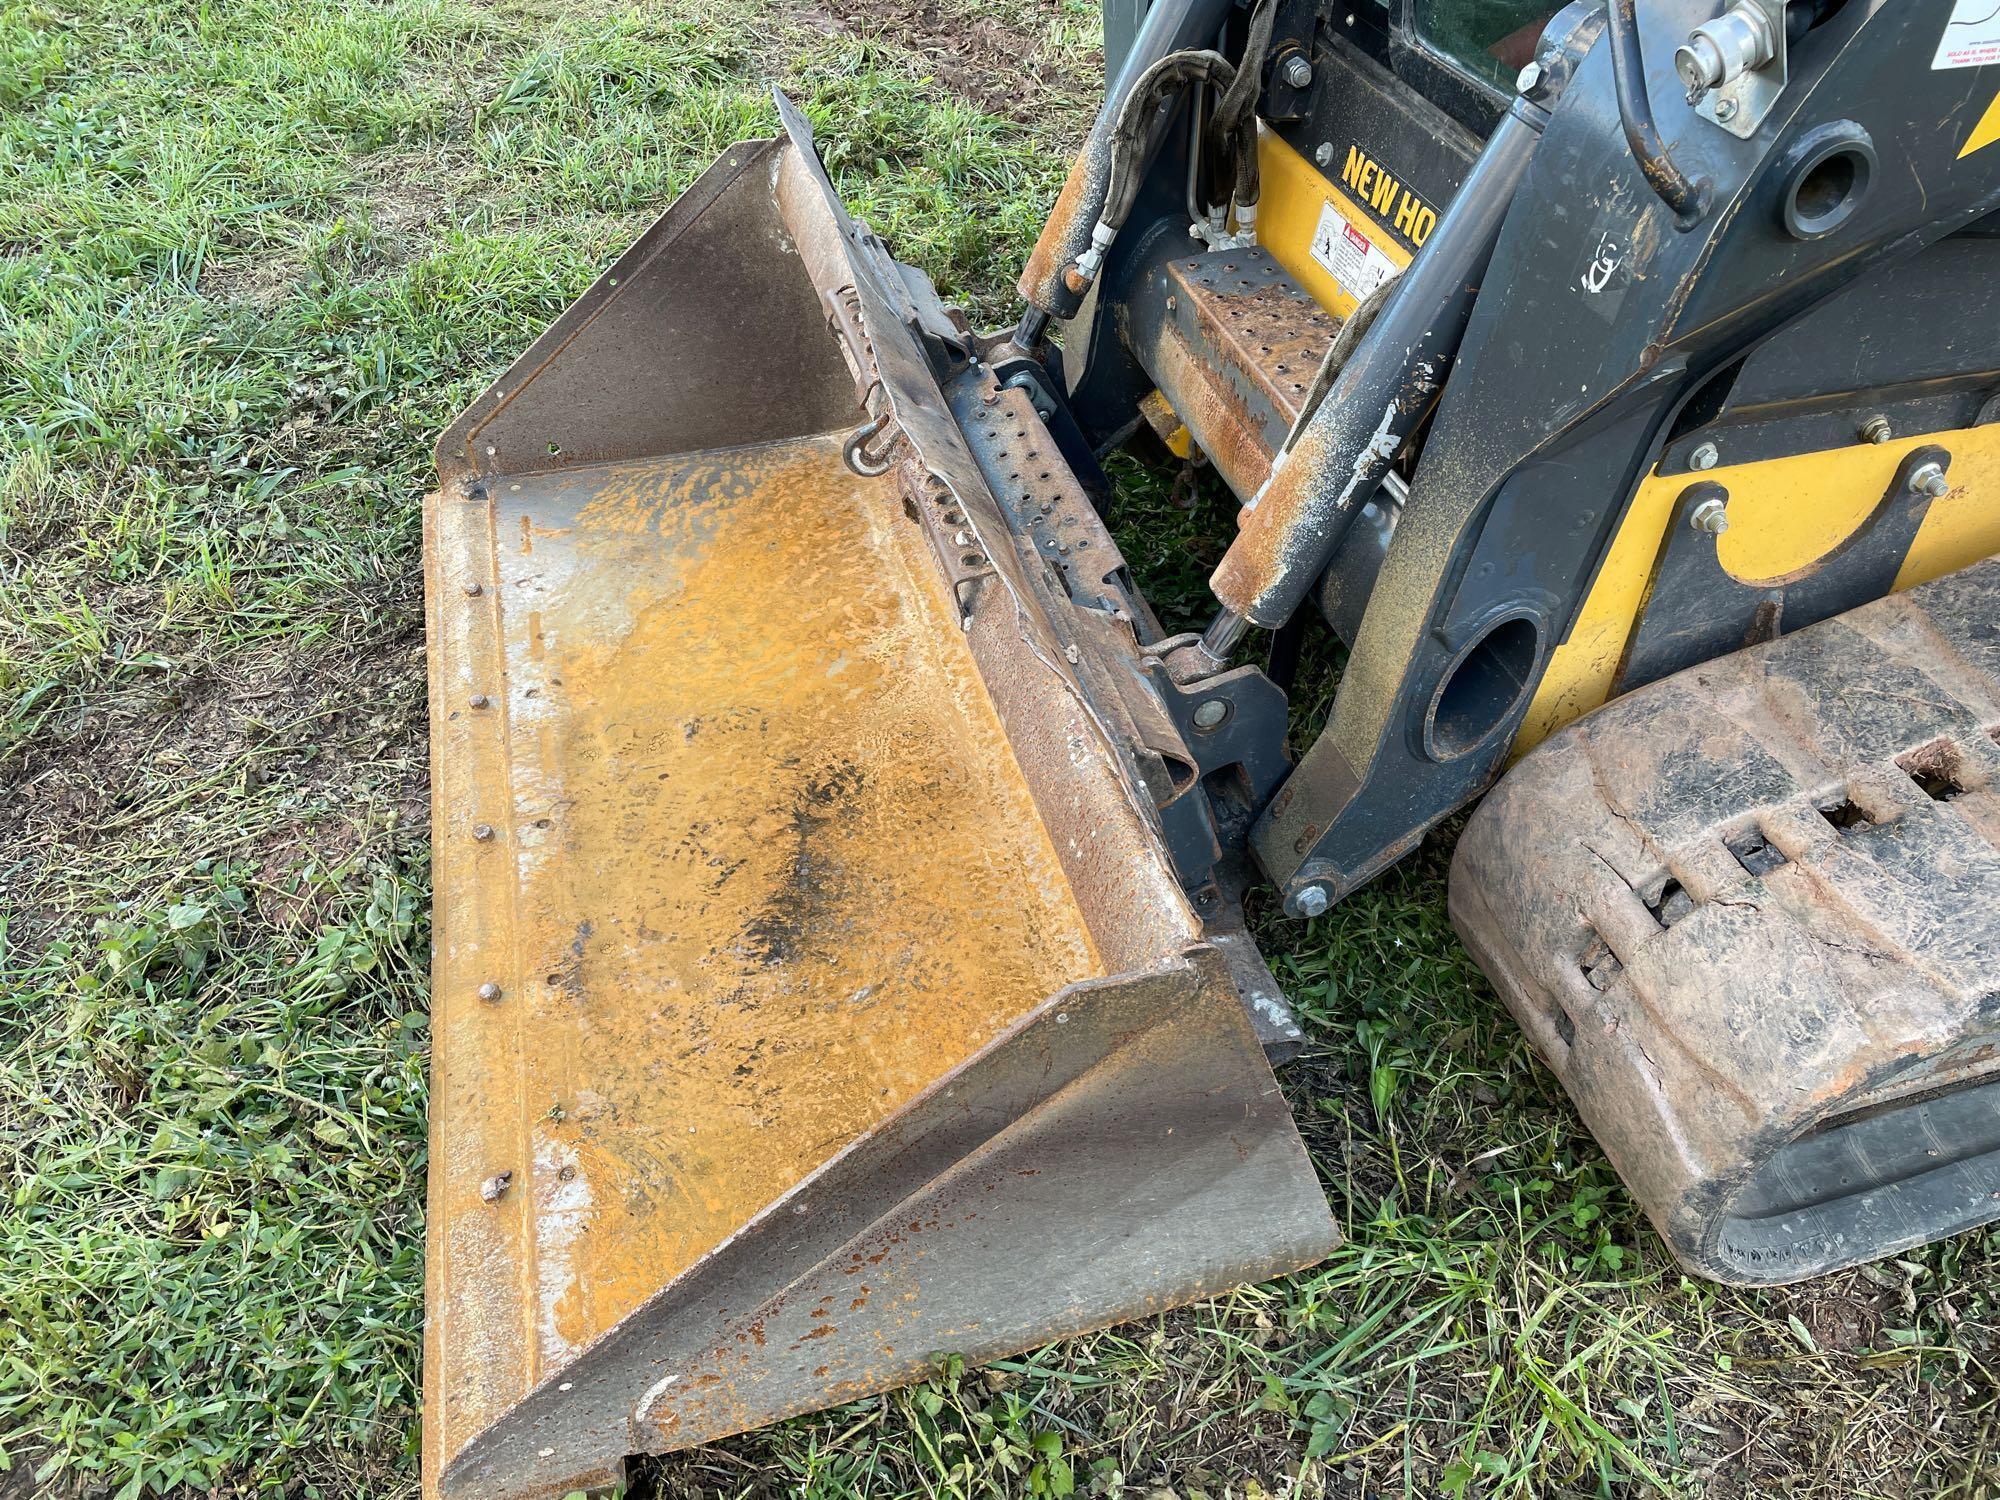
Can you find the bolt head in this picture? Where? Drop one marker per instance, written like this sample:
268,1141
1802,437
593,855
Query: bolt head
1298,72
482,831
1323,154
1877,430
489,992
479,700
1313,901
1929,479
1707,456
1711,516
1725,110
1529,79
1210,713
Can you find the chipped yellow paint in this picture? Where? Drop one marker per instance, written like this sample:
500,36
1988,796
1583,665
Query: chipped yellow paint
1293,193
1784,514
1166,424
762,867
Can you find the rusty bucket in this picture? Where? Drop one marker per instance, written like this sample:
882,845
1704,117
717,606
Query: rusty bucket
812,993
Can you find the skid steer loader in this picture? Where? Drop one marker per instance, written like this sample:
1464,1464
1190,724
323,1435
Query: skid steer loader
840,955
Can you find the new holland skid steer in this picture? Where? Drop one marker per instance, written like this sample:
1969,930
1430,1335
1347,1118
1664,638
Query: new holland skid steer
839,950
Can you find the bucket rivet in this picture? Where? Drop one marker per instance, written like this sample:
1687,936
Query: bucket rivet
567,1174
482,831
489,991
1062,1018
496,1185
473,591
479,700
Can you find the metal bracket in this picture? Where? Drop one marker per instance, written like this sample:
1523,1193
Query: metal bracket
1231,720
1740,102
1696,610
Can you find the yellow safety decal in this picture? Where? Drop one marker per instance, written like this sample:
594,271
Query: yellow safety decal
1298,207
1784,514
1986,132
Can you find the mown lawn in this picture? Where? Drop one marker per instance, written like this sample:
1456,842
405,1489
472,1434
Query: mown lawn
253,255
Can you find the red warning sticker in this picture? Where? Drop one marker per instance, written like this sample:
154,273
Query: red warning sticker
1349,256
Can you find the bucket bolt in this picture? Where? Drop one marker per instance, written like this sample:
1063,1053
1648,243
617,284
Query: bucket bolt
1929,479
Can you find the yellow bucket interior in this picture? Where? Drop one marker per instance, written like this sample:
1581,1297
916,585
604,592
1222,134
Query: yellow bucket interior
732,860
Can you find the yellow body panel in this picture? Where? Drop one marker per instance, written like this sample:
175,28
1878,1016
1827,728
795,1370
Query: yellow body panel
1784,514
1288,210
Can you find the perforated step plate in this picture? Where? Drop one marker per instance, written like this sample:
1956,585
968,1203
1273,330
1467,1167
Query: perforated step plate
1750,915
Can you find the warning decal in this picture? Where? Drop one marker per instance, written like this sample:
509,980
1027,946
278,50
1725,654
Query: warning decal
1971,36
1350,256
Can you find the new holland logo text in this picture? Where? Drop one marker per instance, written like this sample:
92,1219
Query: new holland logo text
1387,198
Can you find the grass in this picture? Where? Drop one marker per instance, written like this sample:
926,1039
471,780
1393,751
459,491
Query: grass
252,257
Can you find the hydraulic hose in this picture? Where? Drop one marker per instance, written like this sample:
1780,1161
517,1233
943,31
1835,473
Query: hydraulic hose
1686,197
1169,26
1130,136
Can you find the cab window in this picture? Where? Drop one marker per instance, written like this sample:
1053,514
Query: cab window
1491,39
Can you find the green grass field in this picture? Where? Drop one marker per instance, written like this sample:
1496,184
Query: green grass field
254,254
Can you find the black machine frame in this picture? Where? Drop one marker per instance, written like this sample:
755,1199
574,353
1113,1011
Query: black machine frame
1633,336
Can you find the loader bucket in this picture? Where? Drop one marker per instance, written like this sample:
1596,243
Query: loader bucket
813,992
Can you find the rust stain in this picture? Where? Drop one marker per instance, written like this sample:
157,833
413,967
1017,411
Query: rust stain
1238,362
777,871
1067,231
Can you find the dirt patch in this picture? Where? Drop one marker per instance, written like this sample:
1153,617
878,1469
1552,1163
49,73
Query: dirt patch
396,206
981,59
263,757
254,278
